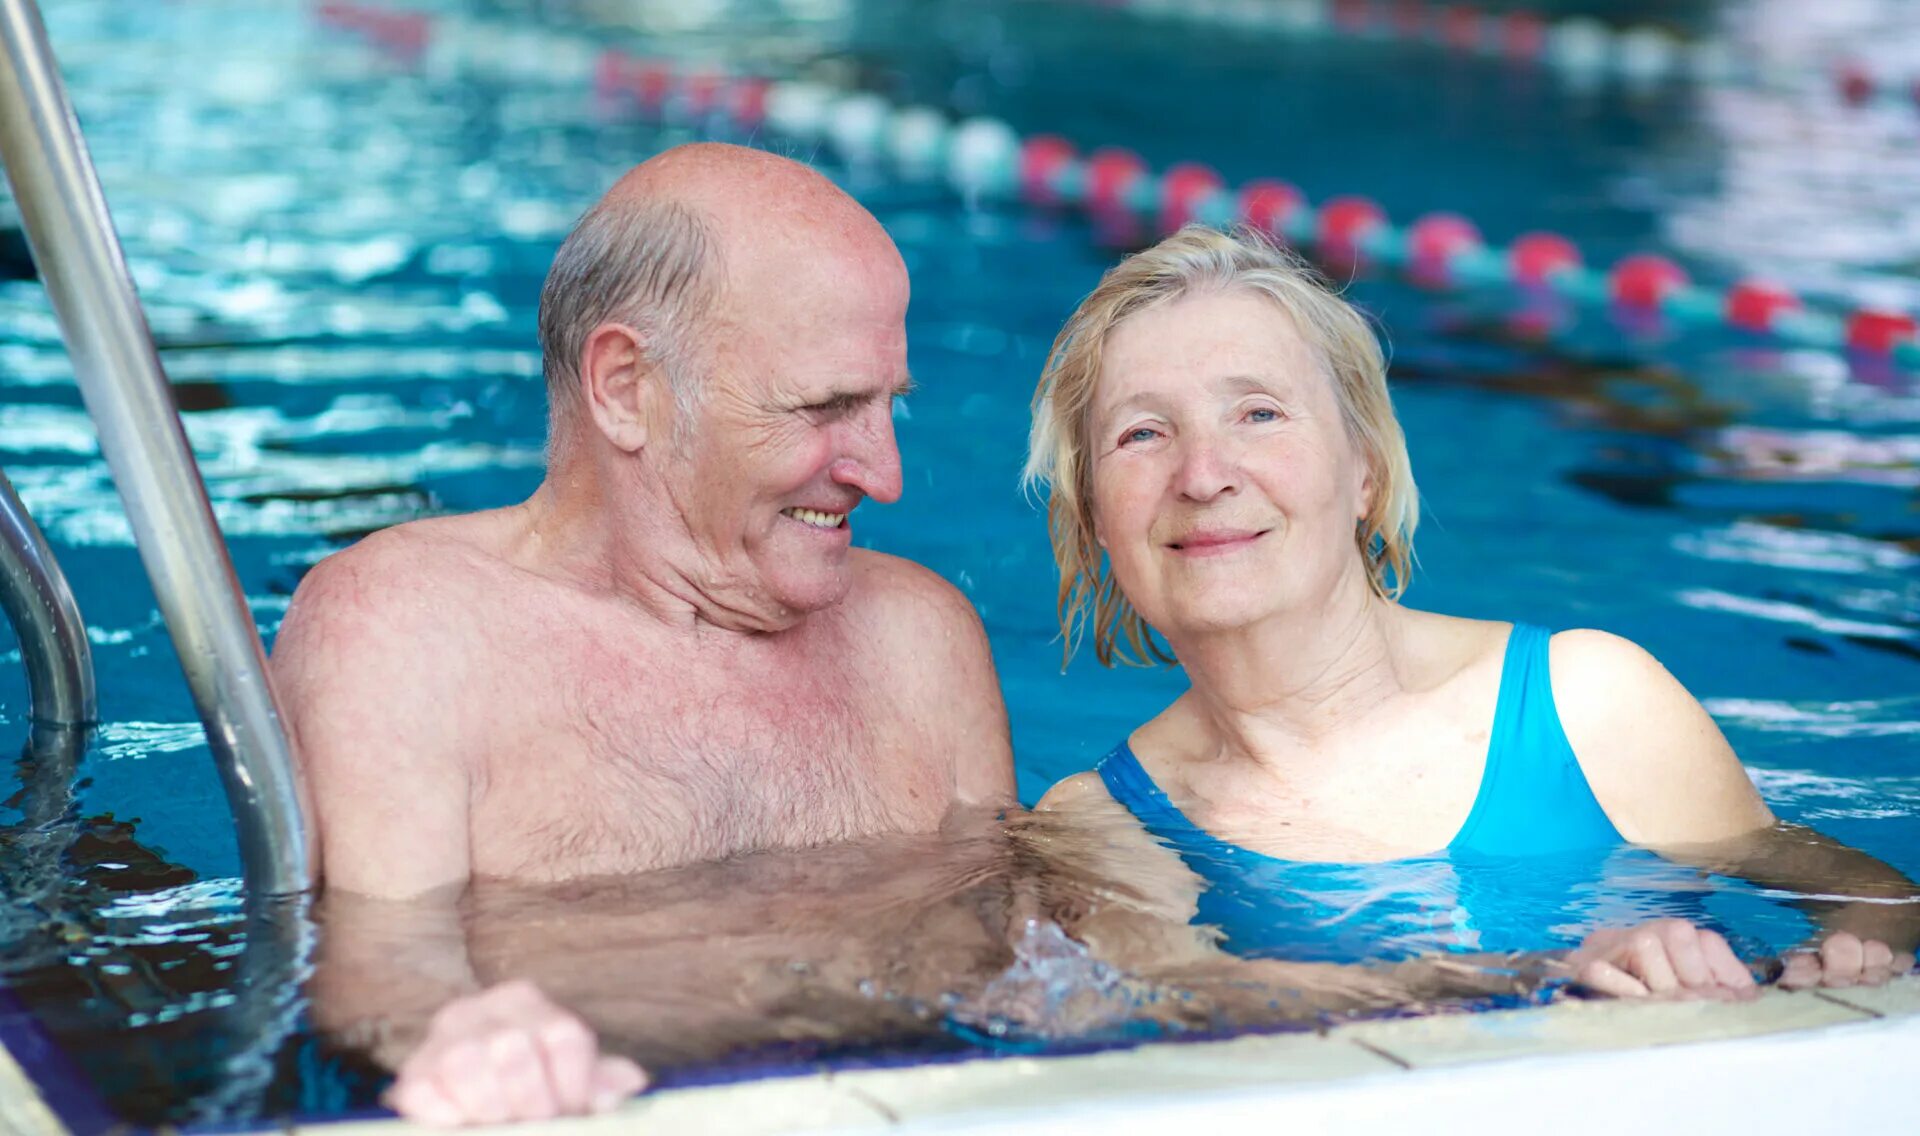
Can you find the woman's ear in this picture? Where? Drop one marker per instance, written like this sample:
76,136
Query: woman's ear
615,380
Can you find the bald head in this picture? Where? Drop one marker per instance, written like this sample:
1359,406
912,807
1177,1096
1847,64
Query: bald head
683,233
754,200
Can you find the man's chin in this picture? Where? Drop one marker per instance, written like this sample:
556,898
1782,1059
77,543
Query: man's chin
807,593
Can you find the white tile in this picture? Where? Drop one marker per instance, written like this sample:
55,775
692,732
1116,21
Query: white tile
755,1108
1898,998
1019,1083
1575,1027
22,1112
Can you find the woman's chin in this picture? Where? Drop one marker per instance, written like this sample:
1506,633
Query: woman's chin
1220,619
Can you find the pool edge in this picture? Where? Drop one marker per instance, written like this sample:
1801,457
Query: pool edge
1699,1063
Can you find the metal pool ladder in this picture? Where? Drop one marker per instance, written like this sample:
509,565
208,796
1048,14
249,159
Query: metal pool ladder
65,219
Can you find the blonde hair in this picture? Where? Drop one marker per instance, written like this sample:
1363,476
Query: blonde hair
1198,260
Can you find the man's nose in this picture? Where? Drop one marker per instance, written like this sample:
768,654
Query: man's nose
1207,469
871,461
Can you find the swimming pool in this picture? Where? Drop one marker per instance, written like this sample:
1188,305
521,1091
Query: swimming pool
341,252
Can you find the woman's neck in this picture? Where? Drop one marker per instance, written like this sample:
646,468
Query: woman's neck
1273,692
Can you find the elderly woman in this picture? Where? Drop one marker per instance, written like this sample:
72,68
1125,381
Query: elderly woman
1225,469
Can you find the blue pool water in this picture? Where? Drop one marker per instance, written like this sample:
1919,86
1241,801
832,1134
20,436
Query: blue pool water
341,257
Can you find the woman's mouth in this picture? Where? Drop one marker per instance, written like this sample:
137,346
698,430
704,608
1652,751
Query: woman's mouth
1214,542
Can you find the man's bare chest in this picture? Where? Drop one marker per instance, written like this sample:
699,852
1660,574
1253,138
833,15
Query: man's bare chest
660,762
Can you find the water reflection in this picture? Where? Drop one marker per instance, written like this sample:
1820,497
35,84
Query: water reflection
985,934
1019,934
1029,934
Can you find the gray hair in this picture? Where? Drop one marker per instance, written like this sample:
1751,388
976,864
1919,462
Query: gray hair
649,266
1198,261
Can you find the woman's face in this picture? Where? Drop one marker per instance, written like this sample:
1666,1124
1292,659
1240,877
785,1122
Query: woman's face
1225,489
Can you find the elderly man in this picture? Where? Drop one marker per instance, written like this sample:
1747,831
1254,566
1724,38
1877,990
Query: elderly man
671,652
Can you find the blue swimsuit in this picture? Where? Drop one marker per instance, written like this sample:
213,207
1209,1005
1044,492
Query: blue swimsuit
1535,833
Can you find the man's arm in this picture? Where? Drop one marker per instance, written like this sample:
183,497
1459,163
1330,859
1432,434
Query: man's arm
367,702
376,671
1667,778
937,655
370,674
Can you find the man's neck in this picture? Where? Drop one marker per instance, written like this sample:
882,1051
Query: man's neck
632,544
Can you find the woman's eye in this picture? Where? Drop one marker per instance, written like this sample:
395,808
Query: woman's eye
1263,414
1140,434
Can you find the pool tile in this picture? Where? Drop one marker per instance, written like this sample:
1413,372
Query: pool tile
1020,1083
754,1108
22,1112
1575,1027
1898,998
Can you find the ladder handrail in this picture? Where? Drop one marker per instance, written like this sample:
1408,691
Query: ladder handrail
64,215
53,638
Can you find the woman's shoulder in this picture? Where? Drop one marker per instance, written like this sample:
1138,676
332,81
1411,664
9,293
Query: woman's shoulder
1082,791
1597,673
1639,734
1443,650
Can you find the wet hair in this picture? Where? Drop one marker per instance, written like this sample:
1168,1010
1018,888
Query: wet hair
650,266
1201,261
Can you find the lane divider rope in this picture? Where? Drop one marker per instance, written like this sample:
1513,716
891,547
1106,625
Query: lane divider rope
983,158
1581,49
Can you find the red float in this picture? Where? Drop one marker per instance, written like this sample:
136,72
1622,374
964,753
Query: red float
1111,172
1345,222
1878,332
702,91
1460,27
610,72
409,34
1856,83
1433,242
1644,280
1181,188
1536,256
747,101
1753,304
1269,205
1041,156
1352,15
652,81
1410,18
1523,35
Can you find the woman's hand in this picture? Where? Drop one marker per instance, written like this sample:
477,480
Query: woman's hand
1844,959
509,1053
1664,958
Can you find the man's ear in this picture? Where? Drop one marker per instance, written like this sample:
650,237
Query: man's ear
617,380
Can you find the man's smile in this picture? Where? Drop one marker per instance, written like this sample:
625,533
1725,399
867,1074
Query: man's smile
815,518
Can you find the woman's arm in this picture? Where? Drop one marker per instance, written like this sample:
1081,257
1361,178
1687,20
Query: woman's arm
1668,779
1141,922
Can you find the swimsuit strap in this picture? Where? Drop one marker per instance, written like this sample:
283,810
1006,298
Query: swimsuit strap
1534,796
1130,784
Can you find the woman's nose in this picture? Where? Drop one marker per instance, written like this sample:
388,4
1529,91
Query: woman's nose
1207,470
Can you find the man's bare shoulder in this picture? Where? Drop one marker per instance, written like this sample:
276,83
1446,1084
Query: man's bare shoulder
388,602
376,667
908,598
929,649
395,574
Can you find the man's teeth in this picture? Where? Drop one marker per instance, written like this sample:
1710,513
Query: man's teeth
816,518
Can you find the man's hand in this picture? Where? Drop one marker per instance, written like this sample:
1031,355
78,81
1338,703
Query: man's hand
1667,957
506,1054
1844,959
